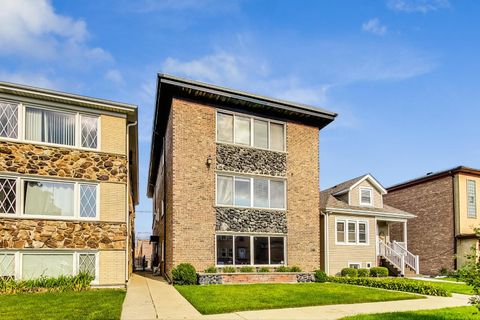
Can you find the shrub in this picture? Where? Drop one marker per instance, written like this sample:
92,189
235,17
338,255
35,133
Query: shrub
295,269
211,269
184,274
363,272
229,270
444,271
397,284
264,269
379,272
470,273
349,272
282,269
320,276
79,282
246,269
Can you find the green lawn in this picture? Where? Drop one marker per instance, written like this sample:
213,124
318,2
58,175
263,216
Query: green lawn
229,298
439,314
92,304
448,279
459,287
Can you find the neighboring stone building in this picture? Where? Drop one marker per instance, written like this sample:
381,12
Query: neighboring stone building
446,204
68,185
356,229
234,178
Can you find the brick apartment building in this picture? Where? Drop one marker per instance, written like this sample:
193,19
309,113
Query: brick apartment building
234,178
446,205
68,185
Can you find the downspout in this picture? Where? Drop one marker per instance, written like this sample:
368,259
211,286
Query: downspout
164,208
325,233
127,253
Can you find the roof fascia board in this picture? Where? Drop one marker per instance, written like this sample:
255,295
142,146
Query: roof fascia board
371,213
373,180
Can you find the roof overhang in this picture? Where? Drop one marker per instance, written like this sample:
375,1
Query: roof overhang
368,177
169,87
130,111
384,215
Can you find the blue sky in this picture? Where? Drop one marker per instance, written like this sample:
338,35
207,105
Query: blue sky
402,74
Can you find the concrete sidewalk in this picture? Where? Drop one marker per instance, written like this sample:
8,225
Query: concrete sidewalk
344,310
151,297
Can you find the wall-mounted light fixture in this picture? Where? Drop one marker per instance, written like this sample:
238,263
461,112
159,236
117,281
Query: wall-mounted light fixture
209,161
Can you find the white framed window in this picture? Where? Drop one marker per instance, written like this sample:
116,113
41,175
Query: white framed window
250,131
49,126
48,198
253,250
355,265
366,196
471,199
252,192
9,115
48,263
351,232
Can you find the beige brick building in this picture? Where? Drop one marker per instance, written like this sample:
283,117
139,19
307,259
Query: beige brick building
234,178
68,185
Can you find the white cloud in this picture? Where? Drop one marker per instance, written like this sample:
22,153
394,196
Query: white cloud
34,29
422,6
30,79
374,26
115,76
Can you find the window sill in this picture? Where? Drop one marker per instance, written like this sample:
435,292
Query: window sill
253,208
56,218
352,244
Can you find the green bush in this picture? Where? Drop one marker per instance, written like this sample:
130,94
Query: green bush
246,269
349,272
282,269
320,276
397,284
264,269
229,269
295,269
378,272
184,274
211,269
79,282
363,272
444,271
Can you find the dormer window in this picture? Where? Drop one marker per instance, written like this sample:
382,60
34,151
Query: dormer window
366,197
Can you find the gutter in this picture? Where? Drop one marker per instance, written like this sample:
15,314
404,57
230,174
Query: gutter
374,214
127,253
325,232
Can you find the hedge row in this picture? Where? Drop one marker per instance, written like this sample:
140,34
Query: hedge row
372,272
397,284
79,282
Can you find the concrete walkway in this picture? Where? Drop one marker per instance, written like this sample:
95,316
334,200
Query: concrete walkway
151,297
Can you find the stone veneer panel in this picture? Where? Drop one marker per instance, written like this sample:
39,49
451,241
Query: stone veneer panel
251,160
251,220
44,234
61,162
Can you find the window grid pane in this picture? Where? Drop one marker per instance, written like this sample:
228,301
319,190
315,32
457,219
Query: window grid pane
366,196
88,201
242,192
7,265
340,231
89,132
277,137
87,263
260,134
471,198
277,194
8,120
242,130
224,190
362,233
8,197
224,127
260,193
352,232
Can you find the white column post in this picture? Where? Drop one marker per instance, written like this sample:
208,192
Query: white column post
405,234
417,265
403,264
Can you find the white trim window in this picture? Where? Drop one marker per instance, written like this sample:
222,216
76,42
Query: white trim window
250,192
36,264
250,131
355,265
49,126
471,199
252,250
48,198
366,196
351,232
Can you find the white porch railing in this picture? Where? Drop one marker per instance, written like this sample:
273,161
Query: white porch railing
410,259
395,258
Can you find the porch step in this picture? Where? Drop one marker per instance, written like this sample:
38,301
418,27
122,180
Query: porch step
394,270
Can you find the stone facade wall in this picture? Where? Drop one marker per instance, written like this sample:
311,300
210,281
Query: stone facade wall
303,212
52,234
251,220
431,235
61,162
250,160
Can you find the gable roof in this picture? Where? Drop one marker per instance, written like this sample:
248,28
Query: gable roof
435,175
352,183
169,87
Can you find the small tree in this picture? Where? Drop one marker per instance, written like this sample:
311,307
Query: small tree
470,273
